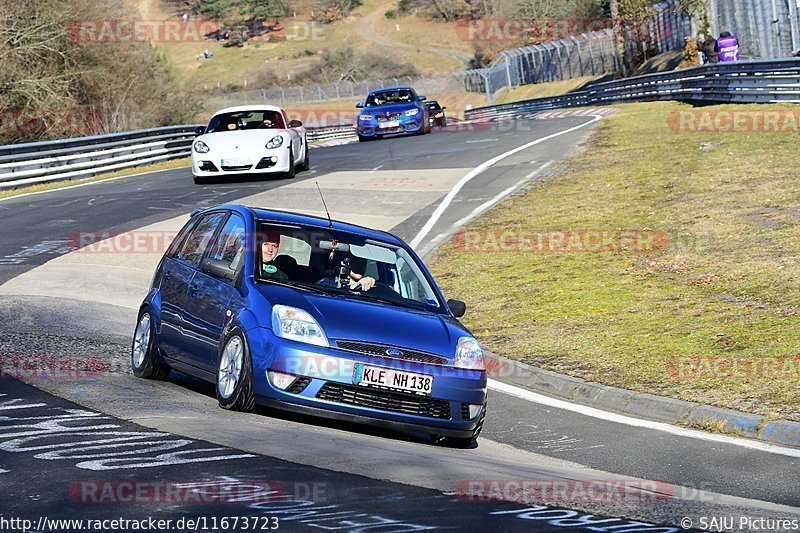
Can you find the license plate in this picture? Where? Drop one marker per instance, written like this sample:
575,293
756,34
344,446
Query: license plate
373,376
390,124
235,162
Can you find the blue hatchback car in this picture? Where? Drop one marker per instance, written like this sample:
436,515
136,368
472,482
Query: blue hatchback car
314,316
392,111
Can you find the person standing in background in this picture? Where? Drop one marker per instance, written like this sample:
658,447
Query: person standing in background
710,50
728,46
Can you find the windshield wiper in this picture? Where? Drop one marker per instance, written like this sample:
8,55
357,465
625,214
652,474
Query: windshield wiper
408,305
297,285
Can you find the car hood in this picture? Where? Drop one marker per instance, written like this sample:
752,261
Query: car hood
347,318
389,109
241,140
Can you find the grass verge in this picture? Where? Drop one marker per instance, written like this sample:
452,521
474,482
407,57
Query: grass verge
712,317
166,165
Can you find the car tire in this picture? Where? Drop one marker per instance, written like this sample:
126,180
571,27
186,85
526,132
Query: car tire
461,442
306,164
236,392
145,363
199,180
363,139
292,168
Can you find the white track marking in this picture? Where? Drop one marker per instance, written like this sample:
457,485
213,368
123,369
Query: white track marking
638,422
479,170
484,207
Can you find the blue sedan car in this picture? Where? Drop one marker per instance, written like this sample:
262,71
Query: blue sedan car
313,316
392,111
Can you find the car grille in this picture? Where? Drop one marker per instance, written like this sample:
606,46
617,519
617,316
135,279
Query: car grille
379,350
237,168
384,118
396,402
299,385
465,411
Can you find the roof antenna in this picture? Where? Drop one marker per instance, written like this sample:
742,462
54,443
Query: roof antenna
330,222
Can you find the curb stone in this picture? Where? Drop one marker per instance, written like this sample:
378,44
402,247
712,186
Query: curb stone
642,405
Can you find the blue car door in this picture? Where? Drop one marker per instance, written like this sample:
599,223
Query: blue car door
208,306
178,273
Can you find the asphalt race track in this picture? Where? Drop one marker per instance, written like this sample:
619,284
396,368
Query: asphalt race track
72,446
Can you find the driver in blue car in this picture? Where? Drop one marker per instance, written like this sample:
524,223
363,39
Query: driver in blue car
281,266
273,266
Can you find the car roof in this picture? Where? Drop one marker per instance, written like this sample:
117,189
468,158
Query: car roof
288,217
390,89
240,108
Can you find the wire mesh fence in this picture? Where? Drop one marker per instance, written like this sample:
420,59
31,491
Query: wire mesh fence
765,28
588,54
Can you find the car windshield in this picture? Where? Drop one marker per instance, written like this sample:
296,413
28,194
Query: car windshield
433,105
246,120
399,96
336,262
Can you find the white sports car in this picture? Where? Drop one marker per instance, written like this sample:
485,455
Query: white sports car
246,140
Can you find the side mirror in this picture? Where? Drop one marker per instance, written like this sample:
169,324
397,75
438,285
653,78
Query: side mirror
421,98
458,307
444,107
199,130
218,269
359,105
295,123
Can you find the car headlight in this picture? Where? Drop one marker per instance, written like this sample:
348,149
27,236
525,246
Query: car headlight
201,148
469,354
412,112
275,142
297,325
365,118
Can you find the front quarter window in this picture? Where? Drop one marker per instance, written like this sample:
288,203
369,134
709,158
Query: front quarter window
198,240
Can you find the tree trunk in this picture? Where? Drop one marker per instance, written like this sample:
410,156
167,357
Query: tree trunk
619,37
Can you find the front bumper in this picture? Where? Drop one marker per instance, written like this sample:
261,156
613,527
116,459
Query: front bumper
325,388
406,125
267,161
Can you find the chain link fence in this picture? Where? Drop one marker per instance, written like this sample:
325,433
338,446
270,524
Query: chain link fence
588,54
765,28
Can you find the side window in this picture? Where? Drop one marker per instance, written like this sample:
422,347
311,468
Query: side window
176,243
229,246
198,240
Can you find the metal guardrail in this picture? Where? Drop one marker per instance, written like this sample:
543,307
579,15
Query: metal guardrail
756,81
82,157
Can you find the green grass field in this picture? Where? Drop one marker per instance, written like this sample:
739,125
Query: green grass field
727,286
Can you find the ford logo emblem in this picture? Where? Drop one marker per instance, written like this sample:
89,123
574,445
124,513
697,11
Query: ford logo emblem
394,352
